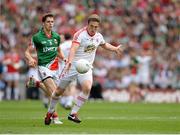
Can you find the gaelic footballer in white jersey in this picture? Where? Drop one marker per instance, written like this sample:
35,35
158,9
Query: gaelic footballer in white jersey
88,45
84,45
86,50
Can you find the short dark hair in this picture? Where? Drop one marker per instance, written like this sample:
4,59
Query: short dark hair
67,36
45,16
94,17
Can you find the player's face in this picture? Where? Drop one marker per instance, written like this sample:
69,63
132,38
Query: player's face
93,27
49,23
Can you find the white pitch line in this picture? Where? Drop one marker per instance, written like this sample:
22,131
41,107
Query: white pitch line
113,118
131,118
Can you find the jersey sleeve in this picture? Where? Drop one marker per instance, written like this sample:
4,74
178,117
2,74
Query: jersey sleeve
102,41
77,38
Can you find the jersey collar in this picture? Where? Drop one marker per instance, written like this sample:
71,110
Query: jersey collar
48,36
90,34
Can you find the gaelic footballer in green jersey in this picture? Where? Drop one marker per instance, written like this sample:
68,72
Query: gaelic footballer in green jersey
46,42
47,49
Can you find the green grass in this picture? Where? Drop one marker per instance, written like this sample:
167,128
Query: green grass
97,117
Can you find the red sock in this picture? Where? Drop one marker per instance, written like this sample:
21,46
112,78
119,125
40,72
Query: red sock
37,84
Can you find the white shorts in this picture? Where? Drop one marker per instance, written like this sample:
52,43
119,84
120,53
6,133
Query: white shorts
11,76
74,75
33,72
42,73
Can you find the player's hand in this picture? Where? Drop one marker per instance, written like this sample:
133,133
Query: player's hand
65,70
32,63
65,60
119,50
67,66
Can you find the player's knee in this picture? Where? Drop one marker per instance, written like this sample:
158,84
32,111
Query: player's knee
86,88
59,91
55,95
86,91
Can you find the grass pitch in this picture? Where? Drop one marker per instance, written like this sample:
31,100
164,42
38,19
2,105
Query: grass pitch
27,117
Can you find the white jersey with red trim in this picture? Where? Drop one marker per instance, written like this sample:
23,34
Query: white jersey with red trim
65,47
88,44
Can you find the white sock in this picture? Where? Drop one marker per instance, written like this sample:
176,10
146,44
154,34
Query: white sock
62,100
8,93
80,100
16,93
45,100
53,102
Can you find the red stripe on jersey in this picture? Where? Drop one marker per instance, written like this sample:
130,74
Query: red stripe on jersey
75,42
76,35
55,64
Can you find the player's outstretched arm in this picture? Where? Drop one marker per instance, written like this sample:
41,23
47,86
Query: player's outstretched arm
117,49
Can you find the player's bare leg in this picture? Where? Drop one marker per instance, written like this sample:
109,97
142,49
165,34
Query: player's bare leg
48,92
53,102
51,86
67,98
32,82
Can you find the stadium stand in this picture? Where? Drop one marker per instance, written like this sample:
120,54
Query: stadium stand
149,29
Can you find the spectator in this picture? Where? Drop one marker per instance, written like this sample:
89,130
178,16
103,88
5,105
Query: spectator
135,23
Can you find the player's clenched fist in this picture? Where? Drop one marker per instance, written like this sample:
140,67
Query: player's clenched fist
32,63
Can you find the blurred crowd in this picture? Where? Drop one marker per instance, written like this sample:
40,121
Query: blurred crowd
148,29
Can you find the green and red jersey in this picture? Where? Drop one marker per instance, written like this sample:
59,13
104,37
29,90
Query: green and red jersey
46,48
